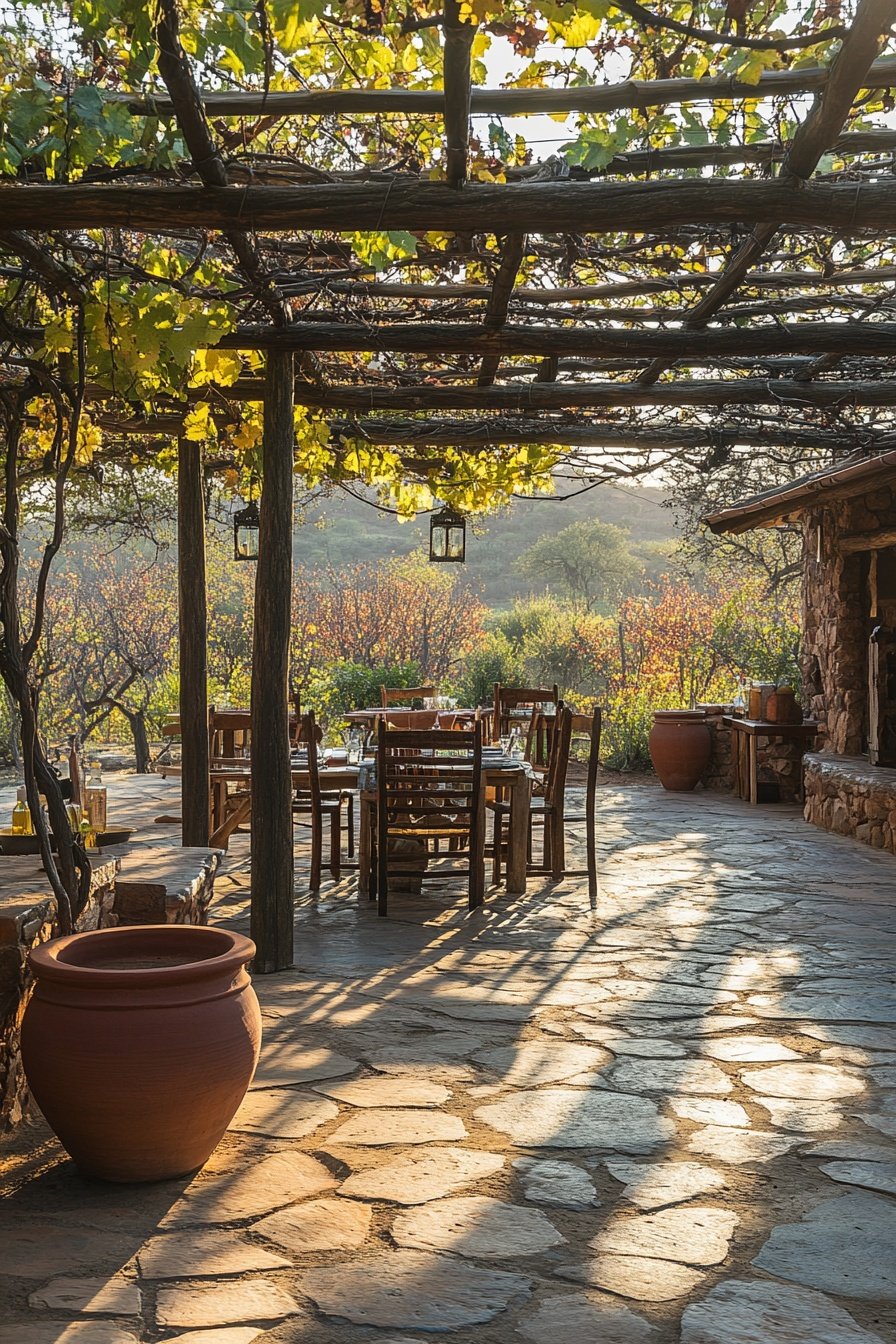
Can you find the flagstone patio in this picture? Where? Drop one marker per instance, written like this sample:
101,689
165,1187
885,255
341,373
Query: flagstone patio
670,1119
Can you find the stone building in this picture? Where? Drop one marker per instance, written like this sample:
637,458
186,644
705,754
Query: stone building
848,518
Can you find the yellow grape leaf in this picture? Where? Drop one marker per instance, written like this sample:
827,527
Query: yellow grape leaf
197,423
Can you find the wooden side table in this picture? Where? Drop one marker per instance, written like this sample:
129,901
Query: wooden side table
746,755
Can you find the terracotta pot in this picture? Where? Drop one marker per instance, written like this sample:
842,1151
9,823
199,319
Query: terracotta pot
139,1044
680,746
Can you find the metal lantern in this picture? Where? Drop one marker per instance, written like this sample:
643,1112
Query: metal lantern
447,537
246,523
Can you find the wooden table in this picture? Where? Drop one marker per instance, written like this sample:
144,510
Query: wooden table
332,778
746,734
517,782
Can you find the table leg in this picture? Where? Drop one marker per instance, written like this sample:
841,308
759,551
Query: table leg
364,836
520,790
754,769
744,765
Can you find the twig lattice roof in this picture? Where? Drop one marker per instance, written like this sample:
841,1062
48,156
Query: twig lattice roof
499,300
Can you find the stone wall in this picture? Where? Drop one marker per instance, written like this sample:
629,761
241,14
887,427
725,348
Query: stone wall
836,610
20,930
848,795
26,921
719,774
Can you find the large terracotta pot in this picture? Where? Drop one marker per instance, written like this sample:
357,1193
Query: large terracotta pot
139,1044
679,745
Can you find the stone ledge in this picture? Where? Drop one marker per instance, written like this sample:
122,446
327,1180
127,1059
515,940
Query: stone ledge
855,770
850,796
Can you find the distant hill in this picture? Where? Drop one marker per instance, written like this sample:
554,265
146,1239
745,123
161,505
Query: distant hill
342,531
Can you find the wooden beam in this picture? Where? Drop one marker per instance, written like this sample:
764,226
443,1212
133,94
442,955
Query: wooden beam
272,828
867,541
813,137
630,93
578,433
538,396
677,158
441,338
619,289
547,207
193,644
499,299
456,71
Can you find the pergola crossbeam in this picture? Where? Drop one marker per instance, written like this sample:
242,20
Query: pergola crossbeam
576,434
547,207
630,93
536,396
781,338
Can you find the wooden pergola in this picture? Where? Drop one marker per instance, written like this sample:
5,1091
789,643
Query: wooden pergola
481,366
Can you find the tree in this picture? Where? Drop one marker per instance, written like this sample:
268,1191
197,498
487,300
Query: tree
110,638
406,611
589,562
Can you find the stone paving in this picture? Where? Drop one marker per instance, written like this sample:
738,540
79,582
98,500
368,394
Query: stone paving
672,1119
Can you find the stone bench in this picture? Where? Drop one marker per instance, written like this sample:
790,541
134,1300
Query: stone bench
165,886
850,796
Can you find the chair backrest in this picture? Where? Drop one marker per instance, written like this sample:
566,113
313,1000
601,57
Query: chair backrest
309,735
406,695
558,763
519,698
428,779
587,727
540,736
230,731
411,718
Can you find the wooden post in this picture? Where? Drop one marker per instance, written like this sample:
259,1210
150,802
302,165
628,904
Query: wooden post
193,644
272,835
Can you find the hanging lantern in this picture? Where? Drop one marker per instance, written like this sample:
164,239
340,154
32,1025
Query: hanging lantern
246,523
447,537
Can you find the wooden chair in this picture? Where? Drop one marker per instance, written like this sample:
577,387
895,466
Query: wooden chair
514,704
587,727
429,788
317,805
406,695
547,808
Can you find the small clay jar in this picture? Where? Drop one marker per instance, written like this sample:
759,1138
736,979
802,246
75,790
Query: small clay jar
139,1044
680,747
782,706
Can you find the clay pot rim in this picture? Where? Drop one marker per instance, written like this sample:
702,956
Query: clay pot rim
691,715
49,961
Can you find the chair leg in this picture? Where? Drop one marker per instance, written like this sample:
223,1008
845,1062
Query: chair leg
316,848
496,850
591,850
477,879
335,842
382,881
558,846
350,826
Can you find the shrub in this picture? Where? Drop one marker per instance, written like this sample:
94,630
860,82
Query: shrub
342,686
495,659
